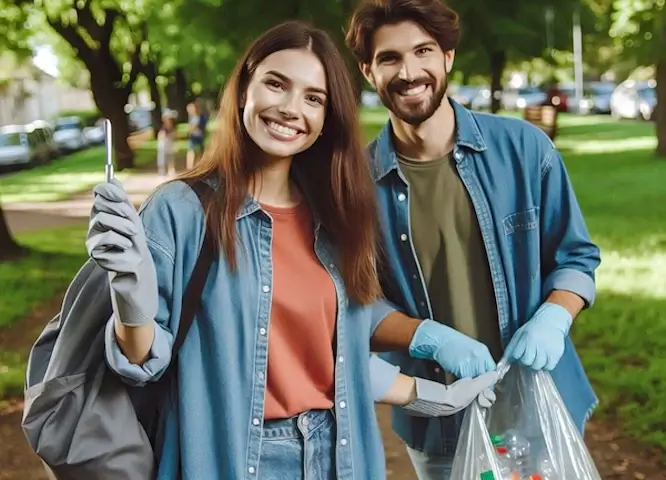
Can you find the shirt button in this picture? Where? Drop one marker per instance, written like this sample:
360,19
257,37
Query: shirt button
343,442
343,404
255,421
341,359
266,288
414,276
401,197
403,237
332,265
306,421
251,469
260,375
458,155
438,370
262,331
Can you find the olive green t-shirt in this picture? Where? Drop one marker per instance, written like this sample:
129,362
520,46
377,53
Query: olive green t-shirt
450,250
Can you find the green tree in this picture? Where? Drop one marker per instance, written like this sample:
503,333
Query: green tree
639,27
108,38
497,33
13,43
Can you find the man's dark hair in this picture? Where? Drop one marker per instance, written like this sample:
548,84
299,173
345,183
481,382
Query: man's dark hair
435,17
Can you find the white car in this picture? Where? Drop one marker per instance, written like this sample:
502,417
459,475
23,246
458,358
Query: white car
20,145
69,134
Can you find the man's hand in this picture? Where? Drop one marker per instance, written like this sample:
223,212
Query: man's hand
458,354
539,344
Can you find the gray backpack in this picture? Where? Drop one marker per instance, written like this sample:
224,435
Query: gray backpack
79,417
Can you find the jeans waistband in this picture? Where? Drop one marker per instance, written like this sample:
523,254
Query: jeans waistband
300,426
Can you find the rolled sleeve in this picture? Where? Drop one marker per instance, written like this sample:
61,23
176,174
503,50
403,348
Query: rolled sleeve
382,377
380,310
569,258
571,280
138,375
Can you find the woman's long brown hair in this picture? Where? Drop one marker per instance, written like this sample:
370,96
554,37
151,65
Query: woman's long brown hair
334,171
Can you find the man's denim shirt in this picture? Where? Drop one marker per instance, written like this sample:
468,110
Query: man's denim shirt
216,424
535,239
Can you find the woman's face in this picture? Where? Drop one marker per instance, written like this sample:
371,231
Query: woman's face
284,107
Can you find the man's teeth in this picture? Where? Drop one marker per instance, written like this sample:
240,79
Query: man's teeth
282,129
414,90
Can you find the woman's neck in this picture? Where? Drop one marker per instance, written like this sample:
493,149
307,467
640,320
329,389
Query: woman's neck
272,185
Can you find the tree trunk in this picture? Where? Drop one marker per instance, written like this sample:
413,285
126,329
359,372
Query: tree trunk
111,100
176,93
659,114
9,249
151,75
497,65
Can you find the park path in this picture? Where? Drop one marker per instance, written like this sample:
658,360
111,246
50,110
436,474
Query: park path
26,217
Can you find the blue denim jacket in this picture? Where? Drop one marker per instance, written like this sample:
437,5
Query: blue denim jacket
216,424
535,239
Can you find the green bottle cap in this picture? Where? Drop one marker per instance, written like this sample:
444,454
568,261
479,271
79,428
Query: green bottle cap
489,475
497,439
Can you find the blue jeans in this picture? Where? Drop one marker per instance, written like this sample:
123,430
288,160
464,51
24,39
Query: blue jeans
299,448
430,468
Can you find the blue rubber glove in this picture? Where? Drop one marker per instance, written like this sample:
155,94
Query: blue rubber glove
539,344
457,353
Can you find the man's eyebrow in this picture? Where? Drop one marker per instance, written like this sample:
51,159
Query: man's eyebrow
384,53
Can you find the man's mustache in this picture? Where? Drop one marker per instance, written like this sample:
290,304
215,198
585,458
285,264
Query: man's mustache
398,84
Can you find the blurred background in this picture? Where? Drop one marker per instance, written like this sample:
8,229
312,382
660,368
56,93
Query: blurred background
591,73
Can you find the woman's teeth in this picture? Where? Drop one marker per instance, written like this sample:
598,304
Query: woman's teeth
282,129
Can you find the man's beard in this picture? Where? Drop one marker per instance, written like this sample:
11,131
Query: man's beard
417,113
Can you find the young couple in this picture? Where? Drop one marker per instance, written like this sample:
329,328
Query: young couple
329,252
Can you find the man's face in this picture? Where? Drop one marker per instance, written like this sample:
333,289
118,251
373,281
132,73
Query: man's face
409,71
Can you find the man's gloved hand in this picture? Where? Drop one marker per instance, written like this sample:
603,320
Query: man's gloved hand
457,353
117,242
434,399
539,344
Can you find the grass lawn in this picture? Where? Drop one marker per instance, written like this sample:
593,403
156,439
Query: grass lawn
63,176
621,188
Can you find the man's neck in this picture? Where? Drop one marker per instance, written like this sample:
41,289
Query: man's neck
272,184
429,140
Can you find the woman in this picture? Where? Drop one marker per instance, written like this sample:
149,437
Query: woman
293,215
166,146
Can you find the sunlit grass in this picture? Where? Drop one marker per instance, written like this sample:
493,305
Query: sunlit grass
62,177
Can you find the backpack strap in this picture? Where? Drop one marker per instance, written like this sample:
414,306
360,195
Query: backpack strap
195,287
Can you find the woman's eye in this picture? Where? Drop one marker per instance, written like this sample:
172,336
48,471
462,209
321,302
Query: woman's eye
274,84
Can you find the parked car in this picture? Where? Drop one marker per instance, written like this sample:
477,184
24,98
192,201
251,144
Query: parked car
68,134
465,94
597,97
519,98
95,133
560,97
635,100
22,146
45,130
140,118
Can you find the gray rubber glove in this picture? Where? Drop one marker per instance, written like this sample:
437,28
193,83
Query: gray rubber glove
434,399
117,242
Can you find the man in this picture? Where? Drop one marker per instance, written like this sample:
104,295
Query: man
196,133
482,230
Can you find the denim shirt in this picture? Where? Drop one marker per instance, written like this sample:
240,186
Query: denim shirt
215,425
535,239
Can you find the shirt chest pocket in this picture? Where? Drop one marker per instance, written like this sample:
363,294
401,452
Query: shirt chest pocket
521,221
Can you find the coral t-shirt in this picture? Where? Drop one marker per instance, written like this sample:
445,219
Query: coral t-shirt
302,323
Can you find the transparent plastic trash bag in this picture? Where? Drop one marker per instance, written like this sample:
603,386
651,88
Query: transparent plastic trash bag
526,435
